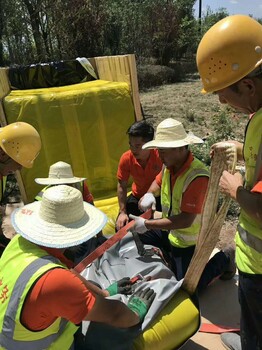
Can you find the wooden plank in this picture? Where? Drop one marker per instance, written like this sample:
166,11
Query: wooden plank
121,68
4,83
135,89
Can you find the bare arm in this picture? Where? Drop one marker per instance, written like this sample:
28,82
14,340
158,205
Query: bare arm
182,220
154,188
251,203
148,200
122,195
112,312
122,219
91,286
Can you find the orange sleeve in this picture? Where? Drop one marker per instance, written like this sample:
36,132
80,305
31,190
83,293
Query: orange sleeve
159,178
87,195
58,293
123,171
194,196
258,187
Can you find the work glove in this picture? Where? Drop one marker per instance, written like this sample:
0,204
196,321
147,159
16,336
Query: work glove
139,225
123,286
141,301
148,202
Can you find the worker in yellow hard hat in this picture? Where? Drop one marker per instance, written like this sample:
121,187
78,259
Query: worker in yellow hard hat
229,59
20,144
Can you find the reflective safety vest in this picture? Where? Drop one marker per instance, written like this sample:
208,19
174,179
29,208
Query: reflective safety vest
39,196
249,234
2,191
78,185
21,265
171,203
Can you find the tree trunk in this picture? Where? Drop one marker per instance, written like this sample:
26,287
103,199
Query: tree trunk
35,23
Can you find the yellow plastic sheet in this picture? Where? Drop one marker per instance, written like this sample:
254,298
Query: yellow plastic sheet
83,124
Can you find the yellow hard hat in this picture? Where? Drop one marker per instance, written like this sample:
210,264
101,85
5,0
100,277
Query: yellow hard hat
21,142
229,50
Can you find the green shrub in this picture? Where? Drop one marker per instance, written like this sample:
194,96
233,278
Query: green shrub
224,128
156,75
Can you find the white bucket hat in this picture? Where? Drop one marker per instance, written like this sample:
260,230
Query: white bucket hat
60,220
170,133
59,173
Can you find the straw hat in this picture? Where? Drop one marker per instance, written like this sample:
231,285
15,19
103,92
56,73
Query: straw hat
170,133
60,220
59,173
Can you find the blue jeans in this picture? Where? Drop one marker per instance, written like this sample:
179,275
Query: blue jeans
180,257
250,300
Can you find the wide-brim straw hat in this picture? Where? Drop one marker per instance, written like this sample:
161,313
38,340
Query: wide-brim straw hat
59,173
60,220
170,133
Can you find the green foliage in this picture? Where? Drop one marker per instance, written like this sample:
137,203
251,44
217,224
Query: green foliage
224,127
40,30
209,18
155,75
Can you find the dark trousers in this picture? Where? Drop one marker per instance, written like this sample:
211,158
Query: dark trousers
180,257
250,300
78,253
132,205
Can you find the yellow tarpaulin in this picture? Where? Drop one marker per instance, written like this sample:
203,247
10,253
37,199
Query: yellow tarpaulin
83,124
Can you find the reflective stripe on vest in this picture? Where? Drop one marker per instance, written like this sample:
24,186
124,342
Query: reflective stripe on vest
249,261
78,185
252,241
39,196
9,324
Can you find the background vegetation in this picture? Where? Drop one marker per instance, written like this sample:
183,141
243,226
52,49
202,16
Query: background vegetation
163,34
201,114
161,31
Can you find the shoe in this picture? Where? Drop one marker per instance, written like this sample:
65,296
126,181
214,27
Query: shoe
231,341
231,268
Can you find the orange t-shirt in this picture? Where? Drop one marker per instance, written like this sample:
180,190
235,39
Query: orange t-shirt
194,196
58,293
142,177
257,188
87,195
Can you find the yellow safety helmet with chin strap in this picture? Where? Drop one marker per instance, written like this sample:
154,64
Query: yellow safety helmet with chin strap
21,142
229,51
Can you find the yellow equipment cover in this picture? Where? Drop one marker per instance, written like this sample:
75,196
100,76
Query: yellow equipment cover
83,124
176,323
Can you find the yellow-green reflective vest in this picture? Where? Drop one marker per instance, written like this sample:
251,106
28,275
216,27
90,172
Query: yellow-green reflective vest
249,233
21,265
171,203
78,185
2,190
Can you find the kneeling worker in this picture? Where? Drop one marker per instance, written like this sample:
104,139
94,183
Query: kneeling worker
42,301
20,144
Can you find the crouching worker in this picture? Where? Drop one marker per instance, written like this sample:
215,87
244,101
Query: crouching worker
61,173
42,301
20,144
